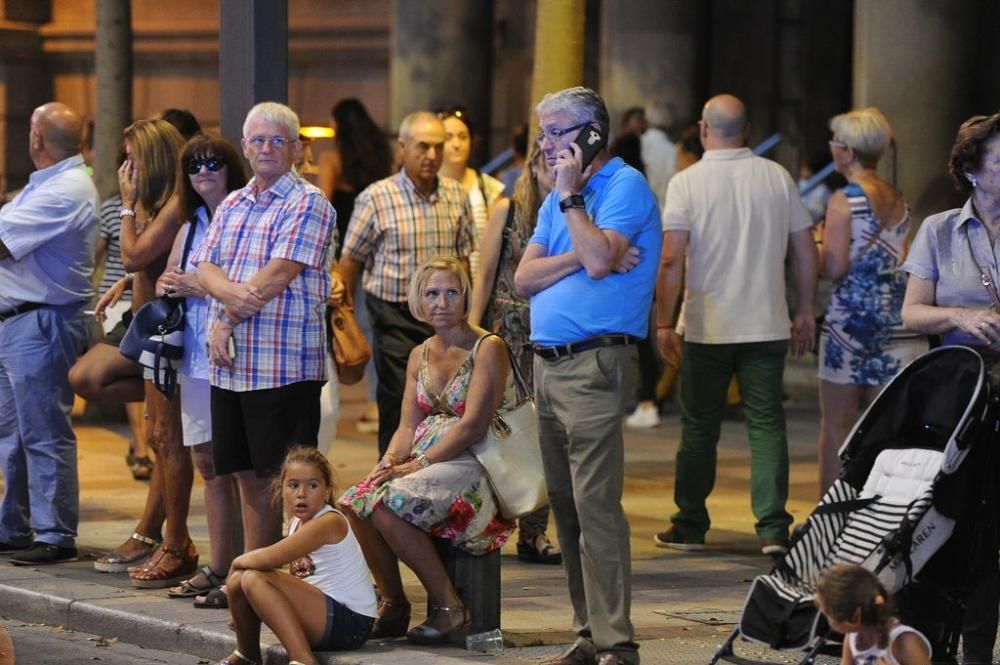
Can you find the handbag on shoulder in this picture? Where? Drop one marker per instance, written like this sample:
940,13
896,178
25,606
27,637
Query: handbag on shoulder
155,337
348,345
510,452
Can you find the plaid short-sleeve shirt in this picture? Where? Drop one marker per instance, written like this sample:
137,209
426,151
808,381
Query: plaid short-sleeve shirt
285,342
394,229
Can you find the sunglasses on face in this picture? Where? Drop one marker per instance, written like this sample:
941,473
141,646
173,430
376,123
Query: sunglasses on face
213,164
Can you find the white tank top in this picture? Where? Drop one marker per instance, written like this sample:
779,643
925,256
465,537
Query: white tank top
872,654
338,570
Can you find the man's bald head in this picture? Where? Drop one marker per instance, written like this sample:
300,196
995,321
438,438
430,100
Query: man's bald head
725,119
60,129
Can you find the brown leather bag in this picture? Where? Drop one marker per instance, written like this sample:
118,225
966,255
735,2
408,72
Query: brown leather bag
348,344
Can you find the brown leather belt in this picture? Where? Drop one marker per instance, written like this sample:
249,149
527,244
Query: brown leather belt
553,352
20,309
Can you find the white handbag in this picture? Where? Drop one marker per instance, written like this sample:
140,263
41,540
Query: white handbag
510,452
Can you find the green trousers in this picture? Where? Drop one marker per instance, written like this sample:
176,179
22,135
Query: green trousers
706,370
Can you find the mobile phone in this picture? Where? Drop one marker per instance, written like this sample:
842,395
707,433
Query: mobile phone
231,348
591,141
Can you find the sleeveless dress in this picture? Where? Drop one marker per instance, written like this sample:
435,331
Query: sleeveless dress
450,499
863,341
508,314
876,655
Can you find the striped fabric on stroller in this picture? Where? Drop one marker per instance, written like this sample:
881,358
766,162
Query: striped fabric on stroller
903,492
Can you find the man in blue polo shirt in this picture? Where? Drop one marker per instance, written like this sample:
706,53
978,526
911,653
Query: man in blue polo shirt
47,238
590,270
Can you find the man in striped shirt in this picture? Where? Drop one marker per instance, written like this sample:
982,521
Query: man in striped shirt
399,223
264,265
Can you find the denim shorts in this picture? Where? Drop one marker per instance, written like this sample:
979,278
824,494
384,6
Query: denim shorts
345,628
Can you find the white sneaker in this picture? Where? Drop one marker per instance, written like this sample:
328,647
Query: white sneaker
644,417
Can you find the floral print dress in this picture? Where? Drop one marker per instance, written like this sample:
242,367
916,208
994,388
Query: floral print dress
450,499
863,341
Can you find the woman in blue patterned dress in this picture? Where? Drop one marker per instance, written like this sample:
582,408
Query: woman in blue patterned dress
428,483
863,343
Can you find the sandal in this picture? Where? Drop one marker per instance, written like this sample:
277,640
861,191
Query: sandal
429,635
141,467
118,562
167,567
539,550
216,599
387,625
237,658
188,589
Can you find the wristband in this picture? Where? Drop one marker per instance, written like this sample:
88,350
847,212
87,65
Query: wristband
228,320
126,212
423,460
571,201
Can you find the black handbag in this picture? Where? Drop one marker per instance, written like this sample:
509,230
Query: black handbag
155,338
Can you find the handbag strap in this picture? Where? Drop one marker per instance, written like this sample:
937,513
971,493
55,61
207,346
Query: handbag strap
188,242
522,386
984,276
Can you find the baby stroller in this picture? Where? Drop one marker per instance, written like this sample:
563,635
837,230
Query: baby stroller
914,503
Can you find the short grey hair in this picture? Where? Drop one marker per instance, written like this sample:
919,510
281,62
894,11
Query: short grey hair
866,131
274,113
410,120
422,275
581,104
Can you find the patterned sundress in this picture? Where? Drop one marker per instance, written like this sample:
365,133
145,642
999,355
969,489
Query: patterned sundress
450,499
863,341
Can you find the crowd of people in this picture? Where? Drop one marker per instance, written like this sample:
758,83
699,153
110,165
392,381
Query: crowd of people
439,257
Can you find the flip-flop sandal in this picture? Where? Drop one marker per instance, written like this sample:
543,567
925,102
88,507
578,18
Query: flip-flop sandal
116,562
215,599
188,589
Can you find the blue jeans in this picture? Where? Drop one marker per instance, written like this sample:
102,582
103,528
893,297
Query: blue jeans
37,443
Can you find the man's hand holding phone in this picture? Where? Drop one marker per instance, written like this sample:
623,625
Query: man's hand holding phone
572,167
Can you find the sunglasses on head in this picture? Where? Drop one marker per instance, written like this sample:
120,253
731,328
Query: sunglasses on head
213,164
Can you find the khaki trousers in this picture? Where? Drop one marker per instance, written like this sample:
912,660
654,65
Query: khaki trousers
581,402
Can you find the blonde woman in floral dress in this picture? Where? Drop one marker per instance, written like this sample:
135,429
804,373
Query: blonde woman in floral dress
428,484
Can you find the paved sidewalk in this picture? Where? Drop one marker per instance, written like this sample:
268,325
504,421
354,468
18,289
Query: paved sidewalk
683,604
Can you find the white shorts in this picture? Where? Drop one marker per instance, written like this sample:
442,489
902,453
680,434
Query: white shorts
196,410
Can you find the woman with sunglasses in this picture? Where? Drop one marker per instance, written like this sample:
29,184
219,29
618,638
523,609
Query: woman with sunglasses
483,189
863,343
210,169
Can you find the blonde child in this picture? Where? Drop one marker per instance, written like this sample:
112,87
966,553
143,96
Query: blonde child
856,604
327,602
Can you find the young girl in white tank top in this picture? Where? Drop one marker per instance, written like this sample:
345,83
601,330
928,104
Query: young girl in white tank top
856,604
327,602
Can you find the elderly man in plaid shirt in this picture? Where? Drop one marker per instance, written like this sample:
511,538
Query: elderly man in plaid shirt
399,223
264,264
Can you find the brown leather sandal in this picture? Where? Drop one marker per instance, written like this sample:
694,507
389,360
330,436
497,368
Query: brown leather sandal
167,567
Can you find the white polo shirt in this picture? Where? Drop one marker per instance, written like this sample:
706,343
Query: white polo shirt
739,210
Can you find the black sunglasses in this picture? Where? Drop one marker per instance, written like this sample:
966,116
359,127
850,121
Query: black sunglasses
213,164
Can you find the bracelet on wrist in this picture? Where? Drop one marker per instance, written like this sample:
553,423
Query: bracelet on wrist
129,277
664,326
424,461
126,212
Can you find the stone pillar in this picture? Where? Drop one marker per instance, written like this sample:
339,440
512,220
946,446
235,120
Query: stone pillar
113,68
559,45
654,50
924,83
440,55
253,59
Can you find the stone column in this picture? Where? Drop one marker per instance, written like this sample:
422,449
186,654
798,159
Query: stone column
559,45
654,50
253,59
113,69
916,61
440,55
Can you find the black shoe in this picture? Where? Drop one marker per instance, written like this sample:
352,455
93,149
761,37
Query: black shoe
7,548
41,554
675,540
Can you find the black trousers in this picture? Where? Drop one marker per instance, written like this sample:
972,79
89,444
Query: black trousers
395,333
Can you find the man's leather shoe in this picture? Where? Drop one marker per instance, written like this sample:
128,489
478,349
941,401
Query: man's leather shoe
8,548
575,655
41,554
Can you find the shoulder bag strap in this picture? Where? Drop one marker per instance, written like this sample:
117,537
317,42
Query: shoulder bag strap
522,386
984,276
188,242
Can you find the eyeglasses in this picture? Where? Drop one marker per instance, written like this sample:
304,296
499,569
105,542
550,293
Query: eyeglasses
213,164
839,144
555,134
278,142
